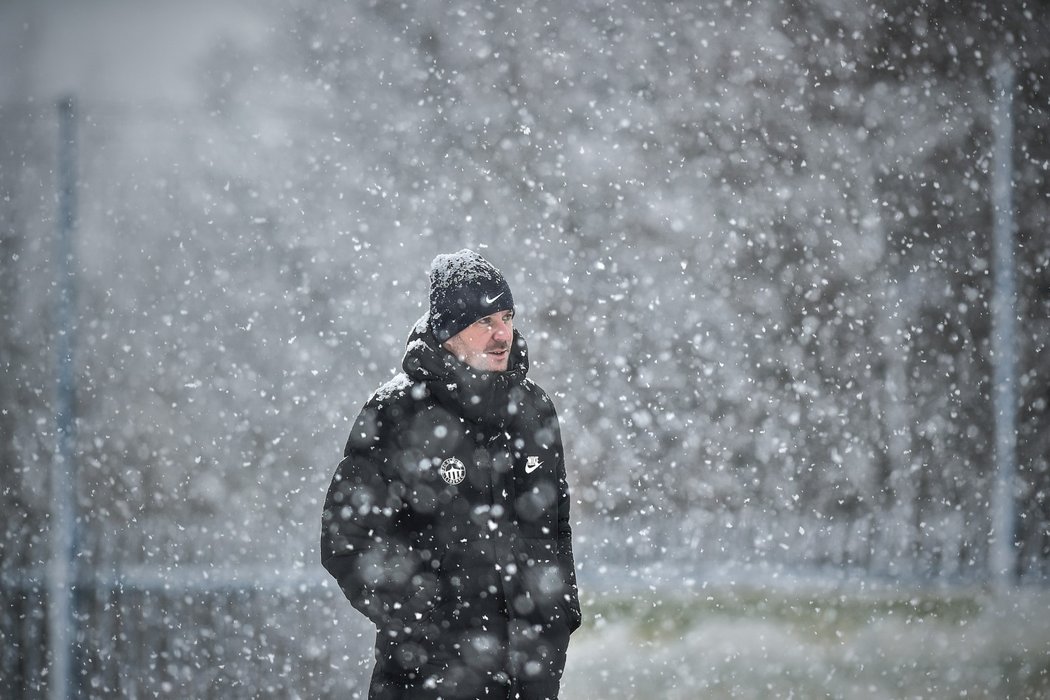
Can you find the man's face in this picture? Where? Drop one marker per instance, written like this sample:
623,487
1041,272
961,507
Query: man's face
485,344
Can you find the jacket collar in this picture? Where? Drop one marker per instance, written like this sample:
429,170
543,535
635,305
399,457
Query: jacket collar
489,399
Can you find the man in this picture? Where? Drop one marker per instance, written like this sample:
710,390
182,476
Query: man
447,521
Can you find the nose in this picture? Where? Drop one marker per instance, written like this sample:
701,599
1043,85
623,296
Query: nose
502,330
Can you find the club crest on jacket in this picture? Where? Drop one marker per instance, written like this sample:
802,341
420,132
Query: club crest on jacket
452,471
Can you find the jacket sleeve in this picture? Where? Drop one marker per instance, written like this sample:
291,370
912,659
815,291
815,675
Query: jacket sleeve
566,561
360,546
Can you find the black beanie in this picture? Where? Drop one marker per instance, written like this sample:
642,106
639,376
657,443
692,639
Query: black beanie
463,288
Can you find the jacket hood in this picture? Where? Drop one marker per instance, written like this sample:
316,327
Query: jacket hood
489,399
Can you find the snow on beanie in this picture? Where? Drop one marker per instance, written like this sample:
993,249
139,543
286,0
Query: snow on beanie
463,288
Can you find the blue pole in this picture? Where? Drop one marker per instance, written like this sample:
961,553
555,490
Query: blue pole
61,572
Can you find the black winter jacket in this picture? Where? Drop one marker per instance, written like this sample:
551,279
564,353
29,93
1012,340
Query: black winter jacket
447,522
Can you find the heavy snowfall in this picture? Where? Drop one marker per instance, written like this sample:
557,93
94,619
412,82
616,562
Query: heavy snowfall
782,266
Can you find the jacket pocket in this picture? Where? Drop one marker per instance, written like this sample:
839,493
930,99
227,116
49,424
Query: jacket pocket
414,640
550,595
544,596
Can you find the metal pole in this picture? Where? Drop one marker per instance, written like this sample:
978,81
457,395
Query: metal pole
1004,333
61,575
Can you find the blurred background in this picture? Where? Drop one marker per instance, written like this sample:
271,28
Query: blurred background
783,267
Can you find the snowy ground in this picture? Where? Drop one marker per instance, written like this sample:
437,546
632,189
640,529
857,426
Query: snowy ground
756,644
